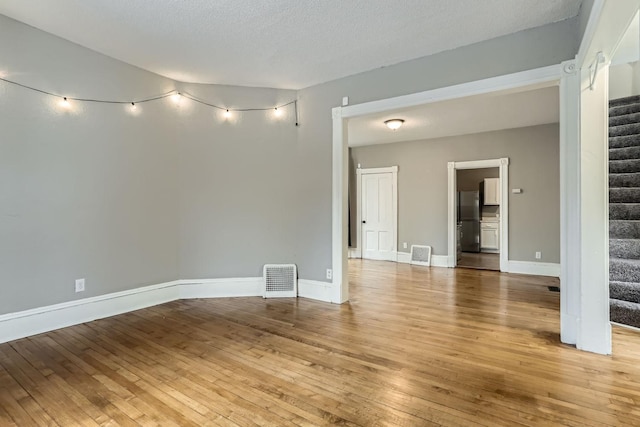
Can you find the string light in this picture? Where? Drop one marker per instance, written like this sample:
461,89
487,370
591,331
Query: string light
65,103
176,96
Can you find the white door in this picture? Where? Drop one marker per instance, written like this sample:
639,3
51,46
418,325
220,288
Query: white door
378,228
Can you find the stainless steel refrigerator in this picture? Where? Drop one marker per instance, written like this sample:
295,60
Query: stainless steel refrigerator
469,219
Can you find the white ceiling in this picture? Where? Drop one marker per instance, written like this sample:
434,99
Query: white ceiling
481,113
279,43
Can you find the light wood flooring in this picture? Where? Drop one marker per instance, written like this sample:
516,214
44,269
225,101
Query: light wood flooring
416,346
480,260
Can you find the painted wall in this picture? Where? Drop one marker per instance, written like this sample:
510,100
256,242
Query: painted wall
534,215
86,193
547,45
624,80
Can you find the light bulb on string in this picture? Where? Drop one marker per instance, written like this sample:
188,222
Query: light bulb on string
133,107
227,114
176,97
277,112
65,103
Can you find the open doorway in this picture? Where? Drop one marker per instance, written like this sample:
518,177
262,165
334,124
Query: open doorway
478,218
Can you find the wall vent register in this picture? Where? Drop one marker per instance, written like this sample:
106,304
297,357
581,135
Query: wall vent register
280,281
421,255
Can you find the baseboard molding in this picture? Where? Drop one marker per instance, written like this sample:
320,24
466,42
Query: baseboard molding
314,289
221,288
26,323
436,260
354,253
633,328
44,319
535,268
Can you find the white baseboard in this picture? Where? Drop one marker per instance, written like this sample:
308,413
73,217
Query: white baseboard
354,253
315,290
44,319
221,288
26,323
535,268
436,260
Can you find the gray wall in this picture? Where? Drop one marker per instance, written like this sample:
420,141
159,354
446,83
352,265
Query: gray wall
525,50
89,193
534,215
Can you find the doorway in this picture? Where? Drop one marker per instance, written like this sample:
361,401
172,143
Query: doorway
478,218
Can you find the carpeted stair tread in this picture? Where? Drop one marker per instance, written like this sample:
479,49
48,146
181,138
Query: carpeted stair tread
625,312
624,101
624,195
622,110
631,129
624,153
624,229
624,179
624,166
624,248
624,141
618,211
624,270
624,119
625,291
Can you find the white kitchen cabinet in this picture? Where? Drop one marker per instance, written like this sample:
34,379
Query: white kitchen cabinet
489,236
492,191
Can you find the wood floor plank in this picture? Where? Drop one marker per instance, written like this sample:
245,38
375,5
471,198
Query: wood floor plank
414,346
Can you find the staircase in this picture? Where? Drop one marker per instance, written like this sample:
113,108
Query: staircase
624,210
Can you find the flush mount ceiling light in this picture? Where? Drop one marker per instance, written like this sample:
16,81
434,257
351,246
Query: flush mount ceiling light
394,124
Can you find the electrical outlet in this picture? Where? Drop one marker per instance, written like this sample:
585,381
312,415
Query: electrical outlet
404,245
329,273
79,285
538,255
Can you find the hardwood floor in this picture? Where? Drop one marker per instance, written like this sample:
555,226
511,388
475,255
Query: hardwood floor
480,260
415,346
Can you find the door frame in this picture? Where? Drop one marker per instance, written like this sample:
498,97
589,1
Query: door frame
452,206
394,200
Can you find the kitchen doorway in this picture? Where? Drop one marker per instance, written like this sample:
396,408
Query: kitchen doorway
478,218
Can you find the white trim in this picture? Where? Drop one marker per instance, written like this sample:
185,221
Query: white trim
393,170
340,172
26,323
622,325
43,319
535,268
404,258
452,167
221,288
314,289
354,253
477,87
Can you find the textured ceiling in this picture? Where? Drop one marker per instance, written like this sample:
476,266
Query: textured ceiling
279,43
511,109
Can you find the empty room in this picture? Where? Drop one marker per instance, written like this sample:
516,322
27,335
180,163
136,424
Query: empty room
249,213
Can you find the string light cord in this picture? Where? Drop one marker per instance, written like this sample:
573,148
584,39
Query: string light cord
104,101
153,98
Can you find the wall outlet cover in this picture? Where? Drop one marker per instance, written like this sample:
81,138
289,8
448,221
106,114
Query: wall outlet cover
79,285
329,273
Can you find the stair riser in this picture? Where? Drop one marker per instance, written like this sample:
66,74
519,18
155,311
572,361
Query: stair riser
624,141
626,119
627,314
624,110
626,153
624,166
624,195
619,211
624,180
624,248
621,271
625,291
